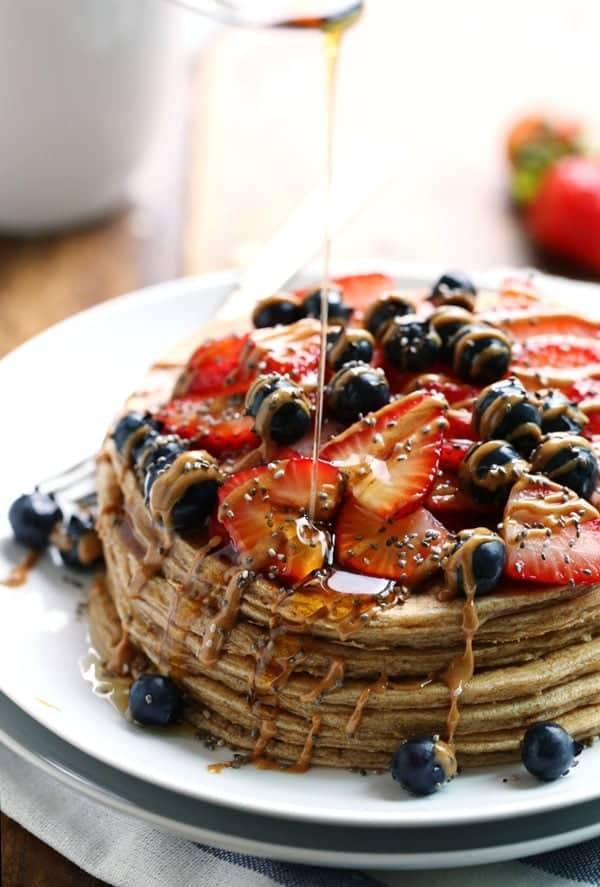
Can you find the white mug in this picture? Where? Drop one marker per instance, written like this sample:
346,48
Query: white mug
81,83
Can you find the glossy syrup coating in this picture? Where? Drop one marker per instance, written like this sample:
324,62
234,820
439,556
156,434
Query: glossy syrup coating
411,345
280,408
279,309
337,311
384,309
454,288
447,321
505,410
567,459
489,470
475,563
351,344
355,390
559,413
480,353
422,765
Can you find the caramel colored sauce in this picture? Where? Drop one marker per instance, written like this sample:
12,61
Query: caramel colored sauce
19,573
355,718
303,762
333,677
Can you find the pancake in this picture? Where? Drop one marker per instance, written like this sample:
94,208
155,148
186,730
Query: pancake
315,676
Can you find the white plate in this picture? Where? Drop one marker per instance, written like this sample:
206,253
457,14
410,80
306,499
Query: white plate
58,393
276,838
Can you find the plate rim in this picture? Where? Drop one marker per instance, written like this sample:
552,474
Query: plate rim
223,279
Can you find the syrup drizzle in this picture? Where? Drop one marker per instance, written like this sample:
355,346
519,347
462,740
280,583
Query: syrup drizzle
19,573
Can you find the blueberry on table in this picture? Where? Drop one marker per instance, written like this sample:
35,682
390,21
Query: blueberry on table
280,309
548,751
355,390
422,765
32,517
79,545
454,288
154,700
336,310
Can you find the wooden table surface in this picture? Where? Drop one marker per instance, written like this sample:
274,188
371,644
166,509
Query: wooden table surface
242,143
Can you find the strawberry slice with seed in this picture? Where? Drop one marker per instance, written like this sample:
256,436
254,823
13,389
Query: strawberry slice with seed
391,457
552,536
215,367
522,327
562,359
360,290
291,350
216,424
407,548
264,513
453,452
453,390
448,502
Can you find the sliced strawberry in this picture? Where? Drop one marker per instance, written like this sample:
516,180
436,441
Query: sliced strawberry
558,352
584,389
552,536
263,510
460,424
453,390
592,411
390,457
453,451
216,424
454,507
360,290
514,294
406,548
215,366
521,327
293,350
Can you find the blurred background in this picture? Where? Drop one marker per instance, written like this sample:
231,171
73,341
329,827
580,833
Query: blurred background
213,135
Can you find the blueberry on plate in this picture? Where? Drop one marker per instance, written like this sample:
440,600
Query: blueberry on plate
489,470
355,390
505,410
411,345
187,493
480,353
154,700
280,408
422,765
559,413
477,559
80,546
280,309
385,309
32,517
130,432
548,751
336,310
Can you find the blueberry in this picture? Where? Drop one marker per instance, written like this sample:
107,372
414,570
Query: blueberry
411,346
131,432
156,449
281,410
278,309
423,765
559,413
355,390
349,346
569,460
385,309
489,470
32,517
154,466
154,700
478,557
195,506
504,410
454,288
335,304
447,321
480,354
548,751
80,547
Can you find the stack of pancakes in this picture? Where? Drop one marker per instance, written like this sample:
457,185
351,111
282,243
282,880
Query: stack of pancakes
329,677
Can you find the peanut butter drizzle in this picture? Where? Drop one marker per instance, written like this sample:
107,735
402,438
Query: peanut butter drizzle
303,762
488,353
335,673
19,573
553,510
462,666
225,620
289,393
495,477
189,468
190,582
551,447
268,731
355,718
497,411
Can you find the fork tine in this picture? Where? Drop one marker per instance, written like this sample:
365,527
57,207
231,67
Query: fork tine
69,476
